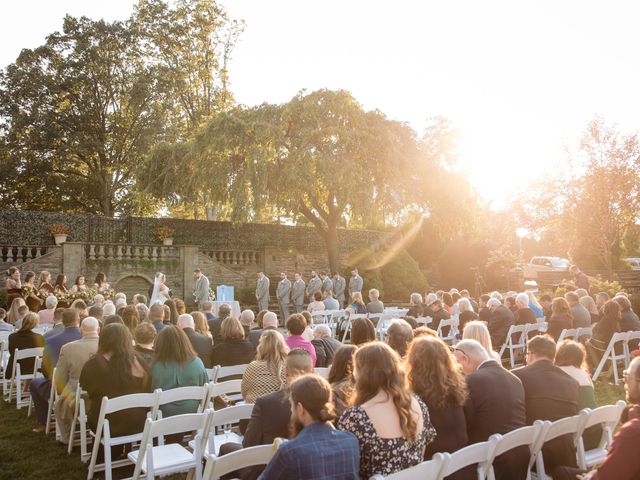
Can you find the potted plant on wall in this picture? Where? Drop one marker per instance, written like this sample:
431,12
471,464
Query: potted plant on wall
165,234
60,232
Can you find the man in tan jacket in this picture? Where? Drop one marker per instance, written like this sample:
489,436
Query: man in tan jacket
73,356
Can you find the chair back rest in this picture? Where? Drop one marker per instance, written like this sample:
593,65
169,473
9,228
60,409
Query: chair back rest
481,454
224,388
522,436
423,320
188,422
233,414
28,353
182,393
125,402
353,316
618,337
633,336
609,414
568,333
428,469
514,330
223,372
247,457
322,371
565,426
541,327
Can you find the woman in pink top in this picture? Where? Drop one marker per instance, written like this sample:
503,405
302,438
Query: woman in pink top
295,327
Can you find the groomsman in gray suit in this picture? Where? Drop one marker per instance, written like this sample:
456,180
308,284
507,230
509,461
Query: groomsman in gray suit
314,285
283,293
201,292
327,284
355,282
262,291
297,294
339,284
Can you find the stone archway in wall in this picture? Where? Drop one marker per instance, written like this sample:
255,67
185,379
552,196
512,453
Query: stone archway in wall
134,284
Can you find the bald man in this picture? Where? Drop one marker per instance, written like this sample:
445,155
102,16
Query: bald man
72,358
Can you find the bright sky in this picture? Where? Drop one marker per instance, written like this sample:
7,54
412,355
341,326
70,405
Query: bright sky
520,79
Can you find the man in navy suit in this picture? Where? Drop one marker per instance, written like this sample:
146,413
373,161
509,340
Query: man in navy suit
40,388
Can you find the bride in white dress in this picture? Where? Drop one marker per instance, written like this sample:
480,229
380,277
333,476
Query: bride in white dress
160,290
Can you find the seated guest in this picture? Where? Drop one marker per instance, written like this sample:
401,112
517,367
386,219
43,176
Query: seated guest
115,371
72,358
12,314
399,336
23,310
22,339
308,333
510,303
233,348
435,377
202,327
40,387
176,365
391,424
601,299
629,321
4,326
265,374
130,317
317,305
550,394
534,304
426,306
259,318
325,345
143,312
145,335
201,344
94,311
466,295
139,299
108,308
415,306
207,309
269,322
608,324
484,313
113,319
57,323
375,305
500,321
341,377
224,311
271,413
166,315
560,318
330,302
477,330
447,302
588,303
362,331
156,316
295,328
81,307
46,315
581,316
318,450
438,313
571,359
466,313
246,320
98,300
181,307
357,304
523,313
495,405
545,303
173,317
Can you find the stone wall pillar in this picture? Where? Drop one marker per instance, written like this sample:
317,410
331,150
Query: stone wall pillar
188,263
73,260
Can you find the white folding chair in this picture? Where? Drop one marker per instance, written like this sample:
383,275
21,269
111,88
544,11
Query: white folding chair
384,320
532,436
225,419
568,333
608,416
231,389
428,470
480,454
334,319
347,329
423,320
627,349
539,327
212,373
322,371
18,376
573,426
166,459
79,420
102,435
180,394
247,457
4,361
53,396
519,331
613,357
223,373
452,323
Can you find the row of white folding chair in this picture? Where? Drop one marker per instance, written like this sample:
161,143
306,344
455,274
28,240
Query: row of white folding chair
350,319
247,457
575,333
453,324
18,377
220,373
396,311
4,362
517,337
322,371
382,322
610,355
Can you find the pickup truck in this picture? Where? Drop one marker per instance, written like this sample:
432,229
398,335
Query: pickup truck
545,264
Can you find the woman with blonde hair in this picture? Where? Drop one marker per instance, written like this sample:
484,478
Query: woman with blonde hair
266,373
391,424
234,349
24,338
202,326
477,330
588,303
435,376
357,304
13,315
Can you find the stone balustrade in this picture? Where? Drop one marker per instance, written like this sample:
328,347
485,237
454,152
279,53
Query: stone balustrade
234,257
115,251
21,253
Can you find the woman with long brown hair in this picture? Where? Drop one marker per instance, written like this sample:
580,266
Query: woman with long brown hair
341,377
130,317
436,378
266,373
391,424
560,318
176,365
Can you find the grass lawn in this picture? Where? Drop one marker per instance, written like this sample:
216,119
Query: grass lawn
27,455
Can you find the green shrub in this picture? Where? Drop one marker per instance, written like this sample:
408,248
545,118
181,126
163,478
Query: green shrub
597,285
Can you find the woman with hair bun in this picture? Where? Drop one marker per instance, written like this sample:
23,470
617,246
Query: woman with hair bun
318,450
